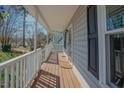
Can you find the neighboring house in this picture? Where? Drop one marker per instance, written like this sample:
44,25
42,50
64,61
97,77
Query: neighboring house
20,44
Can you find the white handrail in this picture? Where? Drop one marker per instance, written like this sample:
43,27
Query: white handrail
14,59
58,47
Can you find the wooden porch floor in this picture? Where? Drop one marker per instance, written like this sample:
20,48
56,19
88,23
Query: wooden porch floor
52,75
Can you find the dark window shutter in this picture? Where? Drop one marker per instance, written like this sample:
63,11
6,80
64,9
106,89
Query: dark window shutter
93,65
65,40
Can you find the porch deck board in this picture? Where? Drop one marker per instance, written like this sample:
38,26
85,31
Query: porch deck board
52,75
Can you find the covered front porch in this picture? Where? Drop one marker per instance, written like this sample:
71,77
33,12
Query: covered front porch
43,67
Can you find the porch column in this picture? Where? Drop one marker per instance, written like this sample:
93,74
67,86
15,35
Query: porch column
53,38
47,38
35,31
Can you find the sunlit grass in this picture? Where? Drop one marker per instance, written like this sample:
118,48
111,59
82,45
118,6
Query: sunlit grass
7,55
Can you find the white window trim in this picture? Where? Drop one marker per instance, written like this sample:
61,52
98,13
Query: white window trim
101,17
115,31
106,33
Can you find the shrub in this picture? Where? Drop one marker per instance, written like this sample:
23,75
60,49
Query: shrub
6,48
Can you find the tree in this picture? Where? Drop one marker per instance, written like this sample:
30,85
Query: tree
3,15
50,37
24,21
41,39
8,28
30,40
24,14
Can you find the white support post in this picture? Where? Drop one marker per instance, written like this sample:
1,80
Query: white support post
47,39
35,41
53,38
35,31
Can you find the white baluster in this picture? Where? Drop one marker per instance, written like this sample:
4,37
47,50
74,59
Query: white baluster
17,75
12,76
30,69
38,60
24,72
0,77
27,79
6,85
21,73
31,66
35,62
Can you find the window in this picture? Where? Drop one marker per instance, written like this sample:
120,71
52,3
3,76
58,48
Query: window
115,17
117,59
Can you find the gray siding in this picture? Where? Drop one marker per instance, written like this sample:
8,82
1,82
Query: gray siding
80,46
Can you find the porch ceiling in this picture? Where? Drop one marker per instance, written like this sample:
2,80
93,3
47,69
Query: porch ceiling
56,17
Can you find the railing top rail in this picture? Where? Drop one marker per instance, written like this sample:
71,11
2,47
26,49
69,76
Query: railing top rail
58,44
17,58
38,49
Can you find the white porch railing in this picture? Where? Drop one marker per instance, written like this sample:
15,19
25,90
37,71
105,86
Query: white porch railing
20,71
48,49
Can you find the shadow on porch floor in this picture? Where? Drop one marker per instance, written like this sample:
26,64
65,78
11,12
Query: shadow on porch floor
52,75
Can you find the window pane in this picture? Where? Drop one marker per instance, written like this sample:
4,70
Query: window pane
91,14
117,60
115,16
92,44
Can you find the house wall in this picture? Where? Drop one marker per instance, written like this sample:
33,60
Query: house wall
79,47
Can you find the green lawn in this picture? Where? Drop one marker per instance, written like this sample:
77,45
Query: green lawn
7,55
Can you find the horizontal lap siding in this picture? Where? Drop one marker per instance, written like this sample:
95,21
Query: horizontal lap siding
80,46
80,37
